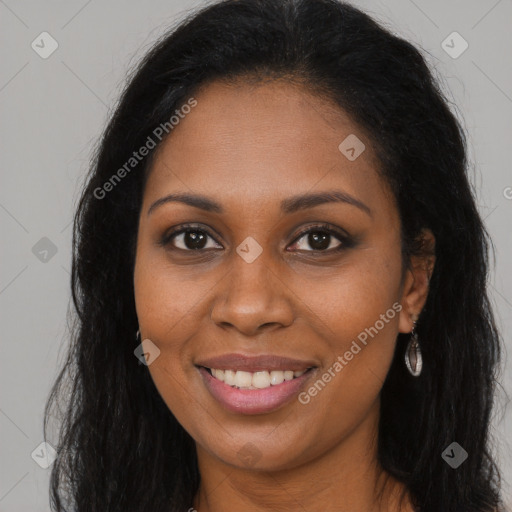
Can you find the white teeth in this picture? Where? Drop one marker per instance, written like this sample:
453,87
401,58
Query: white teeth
261,380
256,380
229,377
219,374
242,379
276,377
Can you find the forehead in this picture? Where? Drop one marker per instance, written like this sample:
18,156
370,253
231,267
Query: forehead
247,143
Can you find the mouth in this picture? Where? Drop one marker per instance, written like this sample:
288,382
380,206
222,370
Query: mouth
259,392
240,379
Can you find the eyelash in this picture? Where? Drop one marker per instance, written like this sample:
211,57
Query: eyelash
346,241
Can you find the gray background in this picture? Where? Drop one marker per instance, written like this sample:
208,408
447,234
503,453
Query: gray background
53,109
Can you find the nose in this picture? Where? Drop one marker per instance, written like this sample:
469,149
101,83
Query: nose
252,297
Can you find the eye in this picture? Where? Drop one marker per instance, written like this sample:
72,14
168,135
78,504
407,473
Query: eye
189,238
322,238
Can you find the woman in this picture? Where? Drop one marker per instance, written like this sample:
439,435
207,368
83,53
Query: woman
280,280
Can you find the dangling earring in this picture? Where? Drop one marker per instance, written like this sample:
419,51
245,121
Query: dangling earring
413,358
137,336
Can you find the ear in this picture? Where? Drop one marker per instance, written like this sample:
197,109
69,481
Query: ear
416,282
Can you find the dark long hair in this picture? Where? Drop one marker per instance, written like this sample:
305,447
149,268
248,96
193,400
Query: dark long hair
119,446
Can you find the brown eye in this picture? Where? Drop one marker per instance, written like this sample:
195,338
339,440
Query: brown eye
322,239
189,239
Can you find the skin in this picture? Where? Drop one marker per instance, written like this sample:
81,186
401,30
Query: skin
248,147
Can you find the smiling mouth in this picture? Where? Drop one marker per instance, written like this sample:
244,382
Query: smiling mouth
240,379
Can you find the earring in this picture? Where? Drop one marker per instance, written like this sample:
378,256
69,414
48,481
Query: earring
413,358
137,336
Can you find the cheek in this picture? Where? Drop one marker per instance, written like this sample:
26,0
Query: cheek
164,305
359,311
165,296
353,297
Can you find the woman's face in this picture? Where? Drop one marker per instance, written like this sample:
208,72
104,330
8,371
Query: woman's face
245,285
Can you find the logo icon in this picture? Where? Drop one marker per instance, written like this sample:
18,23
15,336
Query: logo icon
146,352
454,455
249,249
44,45
249,454
454,45
44,455
352,147
44,250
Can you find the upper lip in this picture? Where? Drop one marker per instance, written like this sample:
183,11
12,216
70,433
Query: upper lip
262,362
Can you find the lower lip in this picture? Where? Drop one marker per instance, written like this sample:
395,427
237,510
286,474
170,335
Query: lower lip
253,401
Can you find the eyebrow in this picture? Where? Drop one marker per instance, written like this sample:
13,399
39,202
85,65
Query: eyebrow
289,205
